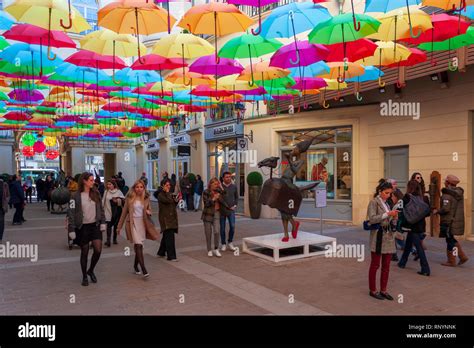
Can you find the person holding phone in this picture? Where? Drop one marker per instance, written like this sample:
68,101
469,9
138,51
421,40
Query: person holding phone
168,218
382,239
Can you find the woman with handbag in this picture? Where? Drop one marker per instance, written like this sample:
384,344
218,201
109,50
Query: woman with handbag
112,201
136,216
86,222
168,217
382,240
414,230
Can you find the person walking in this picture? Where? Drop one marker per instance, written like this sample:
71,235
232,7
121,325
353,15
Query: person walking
184,189
452,220
426,198
164,177
168,218
144,179
382,241
136,216
112,202
231,198
174,186
120,182
413,230
4,198
48,190
213,203
86,222
29,188
198,189
17,199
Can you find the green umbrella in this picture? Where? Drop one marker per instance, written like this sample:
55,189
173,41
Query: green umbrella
22,69
451,44
283,82
109,122
340,29
3,96
3,43
131,135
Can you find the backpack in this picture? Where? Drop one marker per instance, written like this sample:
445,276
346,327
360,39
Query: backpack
416,209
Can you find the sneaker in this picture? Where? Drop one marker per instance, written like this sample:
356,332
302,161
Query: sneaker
173,260
209,254
224,247
217,253
232,247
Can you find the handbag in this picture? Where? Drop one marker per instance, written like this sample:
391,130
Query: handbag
415,210
368,227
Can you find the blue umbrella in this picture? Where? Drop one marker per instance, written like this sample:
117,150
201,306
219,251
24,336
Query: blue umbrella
131,77
312,70
371,74
468,12
6,21
292,19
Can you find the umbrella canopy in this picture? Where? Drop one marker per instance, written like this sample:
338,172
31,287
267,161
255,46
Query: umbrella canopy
208,65
342,70
32,34
452,43
352,51
416,57
156,62
388,5
107,42
262,71
309,83
371,73
248,46
6,21
448,5
95,60
300,53
387,53
186,46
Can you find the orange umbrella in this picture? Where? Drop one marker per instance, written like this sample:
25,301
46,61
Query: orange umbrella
134,17
263,72
216,19
178,77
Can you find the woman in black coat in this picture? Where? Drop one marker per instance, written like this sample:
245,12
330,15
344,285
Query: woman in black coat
17,199
168,218
414,231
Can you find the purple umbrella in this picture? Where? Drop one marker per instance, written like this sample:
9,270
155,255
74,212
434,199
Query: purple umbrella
26,95
303,52
256,91
259,4
309,83
207,65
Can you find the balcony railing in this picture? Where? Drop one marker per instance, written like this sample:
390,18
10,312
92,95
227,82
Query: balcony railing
252,11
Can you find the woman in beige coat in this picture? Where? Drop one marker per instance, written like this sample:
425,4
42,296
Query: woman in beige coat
382,239
136,216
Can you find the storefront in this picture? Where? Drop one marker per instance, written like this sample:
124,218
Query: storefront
329,160
221,139
153,164
180,154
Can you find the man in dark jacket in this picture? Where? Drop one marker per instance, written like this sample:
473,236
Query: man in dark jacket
4,198
452,220
17,198
198,189
39,189
231,197
168,218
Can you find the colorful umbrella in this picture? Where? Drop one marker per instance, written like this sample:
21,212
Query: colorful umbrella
6,21
257,3
303,52
449,5
208,65
351,51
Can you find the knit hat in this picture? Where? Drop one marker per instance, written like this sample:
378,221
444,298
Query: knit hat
452,179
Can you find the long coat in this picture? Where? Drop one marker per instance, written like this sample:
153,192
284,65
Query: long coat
380,242
127,219
452,201
167,211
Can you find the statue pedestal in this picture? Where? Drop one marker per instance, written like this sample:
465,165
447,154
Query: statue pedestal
271,248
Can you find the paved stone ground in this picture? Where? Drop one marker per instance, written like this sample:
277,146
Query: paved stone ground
235,285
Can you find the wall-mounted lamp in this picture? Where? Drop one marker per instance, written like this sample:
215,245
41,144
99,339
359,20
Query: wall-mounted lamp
195,145
249,136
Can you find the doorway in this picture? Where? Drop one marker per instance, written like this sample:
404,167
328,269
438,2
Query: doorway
109,165
396,165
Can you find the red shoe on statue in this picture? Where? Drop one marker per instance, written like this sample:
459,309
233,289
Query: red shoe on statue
285,239
294,233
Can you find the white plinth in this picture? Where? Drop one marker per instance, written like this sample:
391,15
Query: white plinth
251,245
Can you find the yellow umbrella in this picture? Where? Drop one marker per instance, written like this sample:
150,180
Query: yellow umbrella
134,17
231,83
179,76
333,84
398,24
342,70
49,14
167,86
216,19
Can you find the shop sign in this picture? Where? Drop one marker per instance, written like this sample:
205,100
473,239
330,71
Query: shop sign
224,131
180,139
184,150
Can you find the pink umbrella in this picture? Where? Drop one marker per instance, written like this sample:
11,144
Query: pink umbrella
305,54
256,91
302,84
205,91
259,4
156,62
26,95
207,65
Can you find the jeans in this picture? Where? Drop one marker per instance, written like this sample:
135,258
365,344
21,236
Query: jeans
2,223
197,201
167,245
17,217
414,239
185,199
374,266
231,219
211,228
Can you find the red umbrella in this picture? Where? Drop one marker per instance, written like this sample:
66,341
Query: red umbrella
206,91
38,36
156,62
353,50
417,56
95,60
16,116
192,108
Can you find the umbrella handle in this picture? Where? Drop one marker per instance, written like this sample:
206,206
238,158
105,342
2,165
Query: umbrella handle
462,6
338,96
341,79
358,96
297,61
117,82
417,35
452,66
69,26
49,52
400,84
381,83
354,19
325,104
259,30
346,66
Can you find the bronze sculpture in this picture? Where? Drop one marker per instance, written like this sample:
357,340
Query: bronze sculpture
282,193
